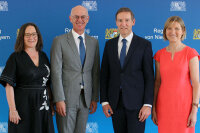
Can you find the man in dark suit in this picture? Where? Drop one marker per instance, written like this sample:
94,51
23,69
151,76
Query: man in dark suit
127,77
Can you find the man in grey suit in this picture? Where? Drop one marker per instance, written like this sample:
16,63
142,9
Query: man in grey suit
75,74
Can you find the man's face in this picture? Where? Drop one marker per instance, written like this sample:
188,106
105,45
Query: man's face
79,18
124,23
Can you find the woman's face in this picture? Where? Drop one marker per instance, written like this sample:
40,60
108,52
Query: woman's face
30,37
174,32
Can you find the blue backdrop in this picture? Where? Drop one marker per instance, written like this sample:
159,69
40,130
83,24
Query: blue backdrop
52,17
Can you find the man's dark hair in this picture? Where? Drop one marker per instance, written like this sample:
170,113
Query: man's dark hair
124,9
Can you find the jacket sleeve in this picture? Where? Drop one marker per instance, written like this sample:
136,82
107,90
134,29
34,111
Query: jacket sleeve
148,74
104,76
56,71
96,75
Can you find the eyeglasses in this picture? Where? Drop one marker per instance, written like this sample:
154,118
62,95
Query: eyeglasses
28,35
76,17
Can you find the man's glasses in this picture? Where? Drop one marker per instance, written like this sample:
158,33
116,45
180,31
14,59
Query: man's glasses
84,17
28,35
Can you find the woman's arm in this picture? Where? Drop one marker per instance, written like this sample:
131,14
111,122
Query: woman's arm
156,89
194,74
13,114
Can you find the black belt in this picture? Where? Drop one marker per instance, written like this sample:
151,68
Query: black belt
31,87
82,91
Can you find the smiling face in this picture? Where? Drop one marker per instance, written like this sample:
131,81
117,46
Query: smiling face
125,22
30,37
174,32
79,19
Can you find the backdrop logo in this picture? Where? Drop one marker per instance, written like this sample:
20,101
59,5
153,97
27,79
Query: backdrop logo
196,35
178,6
3,37
111,33
3,6
92,127
87,31
3,127
90,5
1,69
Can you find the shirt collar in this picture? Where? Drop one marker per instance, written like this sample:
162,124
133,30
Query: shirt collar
128,38
76,35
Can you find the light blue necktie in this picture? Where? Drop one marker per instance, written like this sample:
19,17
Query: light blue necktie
82,50
123,52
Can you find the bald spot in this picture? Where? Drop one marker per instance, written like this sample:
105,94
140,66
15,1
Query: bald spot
77,9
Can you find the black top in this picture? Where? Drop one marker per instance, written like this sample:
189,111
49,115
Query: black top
20,71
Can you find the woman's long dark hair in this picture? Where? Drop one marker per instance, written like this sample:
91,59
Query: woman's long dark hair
19,45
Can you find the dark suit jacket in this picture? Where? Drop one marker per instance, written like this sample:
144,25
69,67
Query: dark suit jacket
136,78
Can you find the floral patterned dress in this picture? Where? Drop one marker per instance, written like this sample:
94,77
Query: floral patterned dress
30,92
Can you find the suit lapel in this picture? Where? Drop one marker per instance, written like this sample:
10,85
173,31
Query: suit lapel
115,51
72,44
131,50
88,51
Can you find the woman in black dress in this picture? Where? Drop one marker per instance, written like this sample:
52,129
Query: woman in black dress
26,79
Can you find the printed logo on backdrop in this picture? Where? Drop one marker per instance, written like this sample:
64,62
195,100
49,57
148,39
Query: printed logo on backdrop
3,37
3,127
178,6
156,35
111,33
1,69
3,6
92,127
87,31
196,35
90,5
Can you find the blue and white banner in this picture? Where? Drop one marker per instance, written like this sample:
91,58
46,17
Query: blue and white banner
52,18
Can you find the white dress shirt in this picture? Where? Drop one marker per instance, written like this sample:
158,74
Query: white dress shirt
128,43
120,44
77,40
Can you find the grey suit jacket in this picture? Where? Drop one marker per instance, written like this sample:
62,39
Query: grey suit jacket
66,70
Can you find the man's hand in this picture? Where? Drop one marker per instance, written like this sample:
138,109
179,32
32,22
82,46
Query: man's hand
93,107
61,108
144,113
107,110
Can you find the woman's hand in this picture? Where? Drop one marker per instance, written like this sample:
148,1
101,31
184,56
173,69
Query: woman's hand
154,116
14,116
192,117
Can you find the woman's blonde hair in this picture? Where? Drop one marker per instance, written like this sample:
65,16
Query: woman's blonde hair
171,20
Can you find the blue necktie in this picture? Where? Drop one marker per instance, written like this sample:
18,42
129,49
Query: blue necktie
82,50
123,52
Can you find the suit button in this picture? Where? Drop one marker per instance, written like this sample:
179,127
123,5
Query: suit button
79,83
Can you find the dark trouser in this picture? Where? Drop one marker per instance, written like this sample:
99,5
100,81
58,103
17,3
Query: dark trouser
126,121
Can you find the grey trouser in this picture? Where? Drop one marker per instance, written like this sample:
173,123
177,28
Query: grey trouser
76,118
